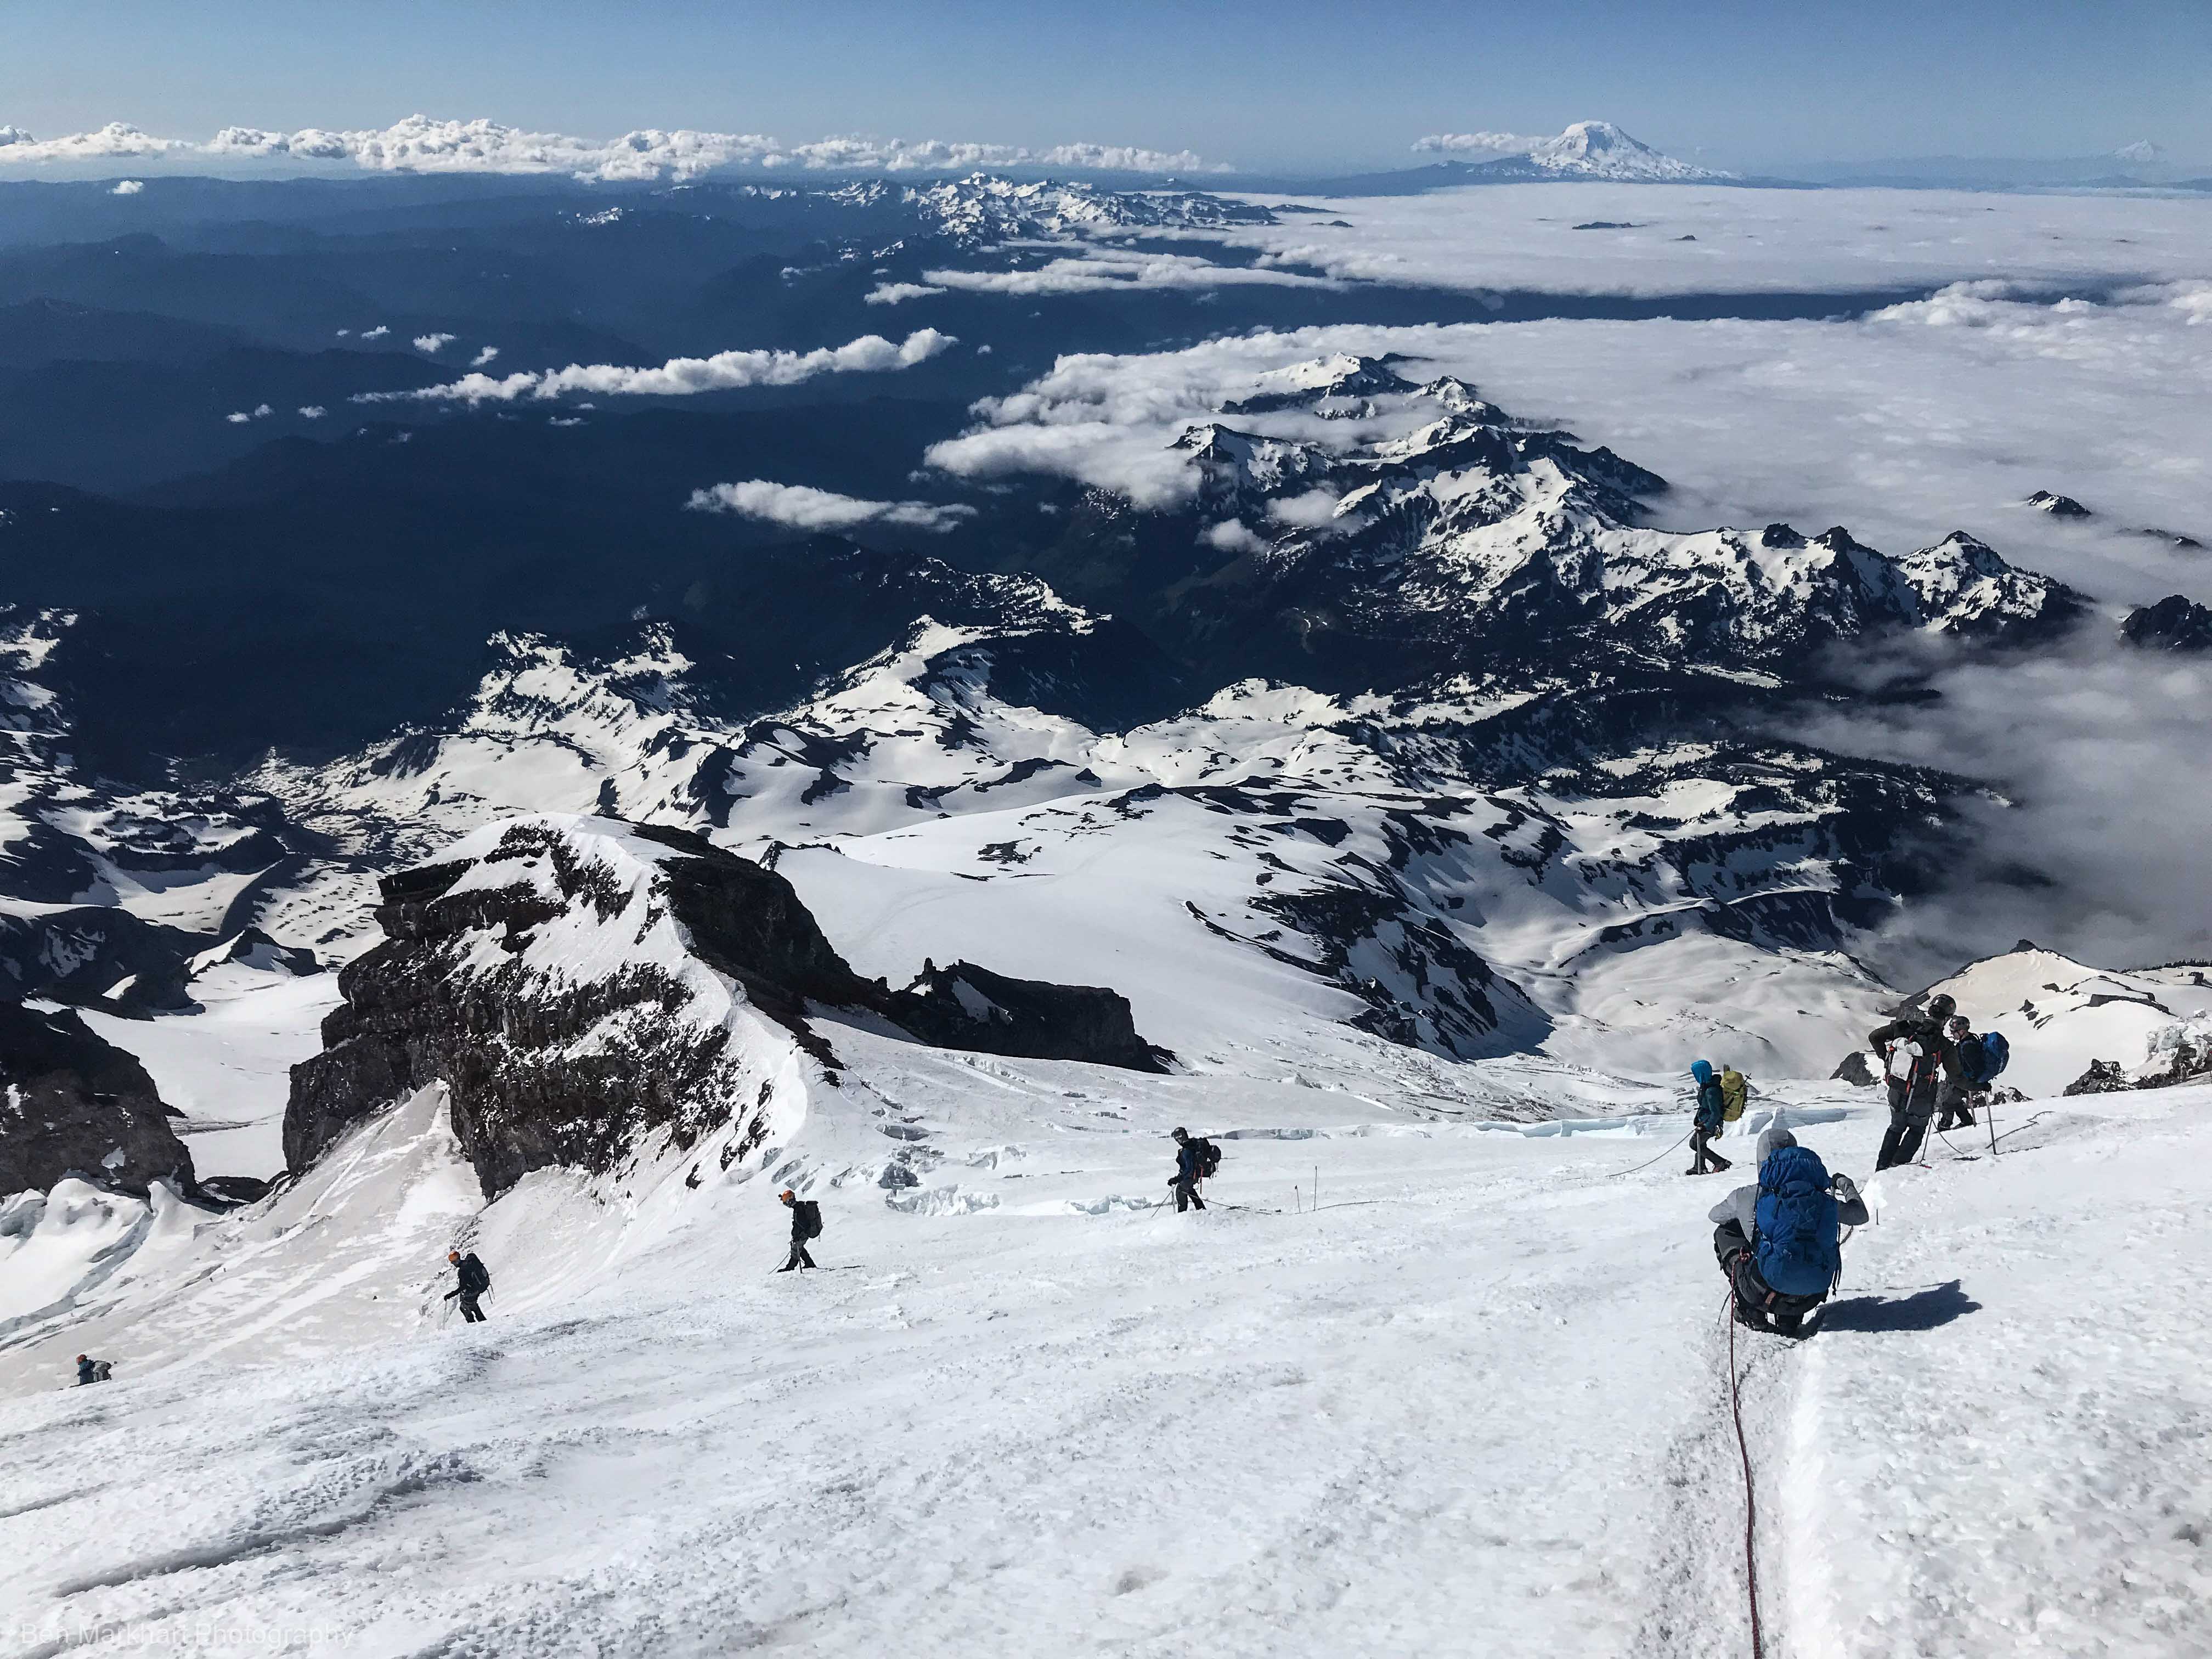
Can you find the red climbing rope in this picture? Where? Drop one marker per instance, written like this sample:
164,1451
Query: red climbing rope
1750,1502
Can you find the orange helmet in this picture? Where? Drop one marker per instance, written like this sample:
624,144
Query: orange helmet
786,1195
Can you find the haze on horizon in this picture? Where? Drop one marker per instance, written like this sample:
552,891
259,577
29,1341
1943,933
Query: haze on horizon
1252,87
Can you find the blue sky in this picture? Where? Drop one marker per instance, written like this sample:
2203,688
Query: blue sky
1289,83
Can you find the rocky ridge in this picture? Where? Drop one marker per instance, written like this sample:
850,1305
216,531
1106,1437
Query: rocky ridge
580,986
73,1104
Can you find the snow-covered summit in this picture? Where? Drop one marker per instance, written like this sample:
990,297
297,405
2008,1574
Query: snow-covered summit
1586,150
1599,149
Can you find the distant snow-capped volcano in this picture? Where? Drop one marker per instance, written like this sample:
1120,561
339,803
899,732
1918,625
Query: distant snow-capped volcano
1587,149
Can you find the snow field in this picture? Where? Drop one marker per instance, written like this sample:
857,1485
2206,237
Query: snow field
230,1069
1477,1404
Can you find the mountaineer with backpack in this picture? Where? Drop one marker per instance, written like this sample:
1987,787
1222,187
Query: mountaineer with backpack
1711,1115
89,1370
1195,1161
1779,1241
474,1283
805,1225
1981,1059
1917,1054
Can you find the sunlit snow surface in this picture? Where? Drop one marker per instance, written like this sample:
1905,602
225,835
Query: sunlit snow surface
1474,1403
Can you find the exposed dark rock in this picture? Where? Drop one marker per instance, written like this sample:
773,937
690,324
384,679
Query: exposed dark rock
961,1006
1857,1069
76,1104
2187,1059
545,1067
2103,1077
2058,506
2174,540
2174,623
235,1190
81,955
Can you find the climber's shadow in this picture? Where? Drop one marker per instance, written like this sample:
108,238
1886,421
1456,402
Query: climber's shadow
1923,1311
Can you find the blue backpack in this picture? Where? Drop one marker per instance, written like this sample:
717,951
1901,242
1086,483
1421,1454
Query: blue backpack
1796,1252
1983,1057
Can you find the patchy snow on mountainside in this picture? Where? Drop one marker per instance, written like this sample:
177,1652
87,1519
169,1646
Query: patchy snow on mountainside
108,890
983,207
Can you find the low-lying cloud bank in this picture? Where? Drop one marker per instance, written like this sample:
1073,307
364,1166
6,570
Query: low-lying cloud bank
2096,844
422,144
681,377
805,508
1099,270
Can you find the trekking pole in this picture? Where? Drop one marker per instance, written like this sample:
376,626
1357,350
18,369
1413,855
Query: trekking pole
1990,1113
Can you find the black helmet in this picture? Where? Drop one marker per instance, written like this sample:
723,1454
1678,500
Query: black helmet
1180,1132
1941,1007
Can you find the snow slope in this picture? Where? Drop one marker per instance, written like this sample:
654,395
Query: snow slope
228,1068
1476,1402
2058,1015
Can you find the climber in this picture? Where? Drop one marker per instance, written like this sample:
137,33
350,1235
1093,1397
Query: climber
1918,1054
1711,1114
1955,1096
474,1282
805,1225
89,1370
1190,1170
1777,1240
1735,1093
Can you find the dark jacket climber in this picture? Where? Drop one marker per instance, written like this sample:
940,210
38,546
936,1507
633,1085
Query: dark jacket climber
806,1224
1919,1056
1705,1126
1190,1171
1779,1241
1955,1095
91,1370
474,1282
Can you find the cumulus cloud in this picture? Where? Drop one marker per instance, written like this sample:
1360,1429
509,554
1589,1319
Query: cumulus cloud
116,141
1102,270
376,333
1476,143
312,411
1314,507
433,343
683,376
1230,535
127,187
804,509
890,294
485,357
422,143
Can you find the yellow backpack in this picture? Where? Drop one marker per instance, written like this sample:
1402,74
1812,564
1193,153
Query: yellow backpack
1734,1095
